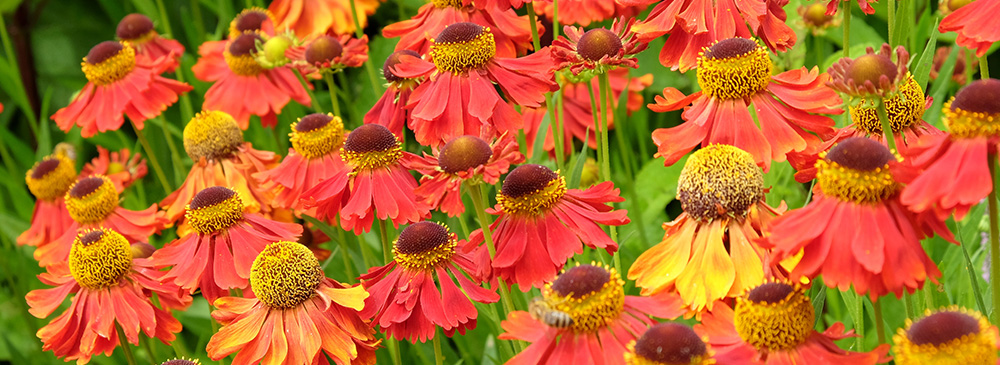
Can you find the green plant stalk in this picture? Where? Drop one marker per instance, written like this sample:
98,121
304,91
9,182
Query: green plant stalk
152,158
358,33
187,112
175,156
558,133
393,345
908,304
555,130
847,27
438,356
126,348
479,204
535,41
597,131
606,107
366,253
973,278
333,93
383,233
994,240
620,132
348,264
306,85
555,19
144,341
892,21
9,50
984,68
879,323
883,117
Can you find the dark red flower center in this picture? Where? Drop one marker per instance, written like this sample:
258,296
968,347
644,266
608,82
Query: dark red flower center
670,343
245,44
421,237
527,179
982,96
370,138
250,20
392,61
89,238
871,67
860,154
179,362
44,168
85,187
460,32
939,328
103,51
324,49
770,292
312,122
134,26
730,47
597,43
211,196
581,280
463,153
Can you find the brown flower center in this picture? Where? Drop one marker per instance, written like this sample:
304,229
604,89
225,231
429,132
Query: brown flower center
952,336
531,190
856,169
51,177
982,96
720,180
91,199
462,46
671,343
774,316
213,135
424,246
316,135
134,27
975,110
729,48
860,154
371,146
108,62
942,327
392,61
770,292
240,54
463,153
250,20
324,49
871,67
213,209
598,43
591,295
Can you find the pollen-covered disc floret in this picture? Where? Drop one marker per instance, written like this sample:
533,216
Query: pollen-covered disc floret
870,74
181,361
91,199
463,153
239,54
213,209
248,20
592,295
975,110
734,68
424,246
394,60
856,170
441,4
904,109
774,316
462,46
213,135
531,190
951,336
371,146
108,61
51,177
285,274
135,27
598,43
719,180
99,258
316,135
669,344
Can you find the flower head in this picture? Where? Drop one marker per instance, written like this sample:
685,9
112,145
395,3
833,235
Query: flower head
390,110
669,343
598,49
511,32
252,20
48,181
950,336
332,54
122,167
872,74
137,29
815,18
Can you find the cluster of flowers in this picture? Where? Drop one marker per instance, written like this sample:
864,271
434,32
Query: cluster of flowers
740,266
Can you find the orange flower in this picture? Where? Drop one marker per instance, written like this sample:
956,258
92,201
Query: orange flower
972,24
512,36
773,324
215,143
669,344
541,224
113,291
310,18
733,74
598,49
119,82
297,317
856,192
584,316
329,54
871,74
389,110
117,166
949,336
584,12
460,97
218,254
465,158
138,30
424,254
49,180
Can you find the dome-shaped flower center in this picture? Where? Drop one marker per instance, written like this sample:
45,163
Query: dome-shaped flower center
51,178
248,20
815,15
734,68
871,67
108,61
91,199
774,316
598,43
181,362
316,135
975,110
530,190
424,245
464,153
213,135
462,46
371,146
324,50
392,61
214,209
857,170
99,258
134,27
905,109
591,295
285,274
719,180
441,4
668,344
950,337
239,54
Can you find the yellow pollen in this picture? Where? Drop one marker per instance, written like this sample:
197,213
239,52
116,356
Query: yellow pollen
905,109
590,311
212,134
537,202
95,206
775,325
99,258
55,182
373,159
285,274
243,65
216,217
720,180
458,57
966,124
113,68
736,77
427,260
320,141
440,4
973,348
853,185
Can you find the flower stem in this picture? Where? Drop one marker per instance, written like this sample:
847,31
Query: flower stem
994,239
883,117
126,347
393,345
306,85
479,203
892,21
558,134
534,27
144,341
555,19
597,131
984,68
152,158
383,232
847,28
438,356
550,103
606,108
358,33
348,264
186,110
333,93
172,146
879,323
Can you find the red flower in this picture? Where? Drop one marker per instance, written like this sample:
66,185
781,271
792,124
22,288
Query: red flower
310,18
117,166
297,317
329,54
118,82
513,32
138,30
831,7
389,110
584,12
49,180
460,97
733,74
541,224
465,158
378,182
112,291
973,22
217,256
598,49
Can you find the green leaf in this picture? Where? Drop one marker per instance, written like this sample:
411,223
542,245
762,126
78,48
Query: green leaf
939,88
922,71
657,185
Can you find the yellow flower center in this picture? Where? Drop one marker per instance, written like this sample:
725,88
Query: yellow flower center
285,274
975,110
464,153
240,55
424,246
719,180
316,135
905,109
462,46
214,209
668,343
815,15
92,199
108,61
441,4
597,43
213,135
99,258
248,20
949,337
136,28
856,170
371,146
734,68
530,190
774,316
592,295
51,178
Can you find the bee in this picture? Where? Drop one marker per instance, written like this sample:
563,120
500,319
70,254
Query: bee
542,311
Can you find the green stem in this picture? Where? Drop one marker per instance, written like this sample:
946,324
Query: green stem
358,32
534,27
393,346
892,21
333,93
558,134
994,240
883,117
479,203
306,85
555,130
555,19
984,68
383,232
606,107
908,304
348,264
144,341
175,156
597,130
438,356
969,268
366,253
126,348
153,160
879,324
187,112
847,27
